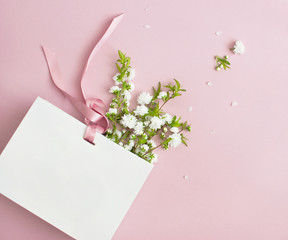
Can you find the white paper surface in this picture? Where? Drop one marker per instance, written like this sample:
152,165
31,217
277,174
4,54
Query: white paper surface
82,189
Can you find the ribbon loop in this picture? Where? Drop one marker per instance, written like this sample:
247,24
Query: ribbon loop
92,109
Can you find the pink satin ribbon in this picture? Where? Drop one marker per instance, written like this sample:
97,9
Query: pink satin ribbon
92,109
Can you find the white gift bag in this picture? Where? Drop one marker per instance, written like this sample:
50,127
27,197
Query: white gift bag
82,189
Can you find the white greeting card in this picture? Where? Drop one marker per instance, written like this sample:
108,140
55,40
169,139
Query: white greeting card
84,190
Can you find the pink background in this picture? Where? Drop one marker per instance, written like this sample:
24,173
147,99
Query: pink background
238,182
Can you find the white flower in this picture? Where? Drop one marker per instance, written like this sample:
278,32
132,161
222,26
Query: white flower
239,48
131,143
138,129
174,129
167,117
128,147
146,123
152,143
155,158
156,123
132,74
162,95
109,131
141,110
112,110
118,133
127,95
115,78
114,89
131,86
129,121
145,147
176,140
144,98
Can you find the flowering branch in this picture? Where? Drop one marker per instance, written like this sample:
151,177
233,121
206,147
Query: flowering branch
134,129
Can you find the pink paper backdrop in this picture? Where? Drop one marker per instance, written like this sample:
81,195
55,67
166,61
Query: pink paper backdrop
238,182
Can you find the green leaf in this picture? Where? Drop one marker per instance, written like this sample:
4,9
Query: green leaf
121,55
119,69
177,84
225,61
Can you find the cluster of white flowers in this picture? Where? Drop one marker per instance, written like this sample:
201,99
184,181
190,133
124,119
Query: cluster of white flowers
134,129
239,48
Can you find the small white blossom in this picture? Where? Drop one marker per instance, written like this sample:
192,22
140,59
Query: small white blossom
167,117
174,129
152,143
131,143
132,74
156,123
128,147
114,89
121,144
155,158
118,133
176,140
145,147
239,48
109,131
129,121
146,123
138,129
141,110
115,78
131,86
162,95
113,110
144,98
127,95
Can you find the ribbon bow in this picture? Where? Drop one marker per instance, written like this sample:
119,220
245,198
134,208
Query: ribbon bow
92,109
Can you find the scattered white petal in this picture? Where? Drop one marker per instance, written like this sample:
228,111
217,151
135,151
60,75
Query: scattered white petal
148,8
190,109
212,132
147,26
234,103
218,33
209,83
185,177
